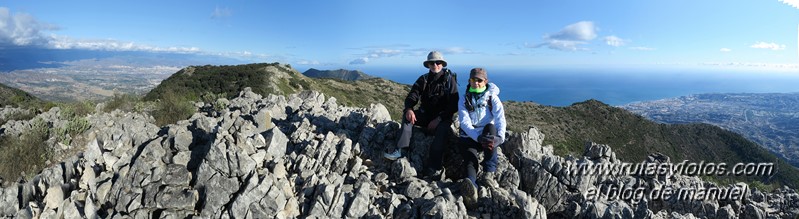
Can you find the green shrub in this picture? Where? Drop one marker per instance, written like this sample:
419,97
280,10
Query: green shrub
209,97
172,108
26,154
123,102
74,127
763,187
143,106
213,99
76,109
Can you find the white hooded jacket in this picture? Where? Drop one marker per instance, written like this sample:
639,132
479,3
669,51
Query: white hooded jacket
472,123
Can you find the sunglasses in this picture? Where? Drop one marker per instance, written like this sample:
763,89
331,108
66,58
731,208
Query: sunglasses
478,80
437,62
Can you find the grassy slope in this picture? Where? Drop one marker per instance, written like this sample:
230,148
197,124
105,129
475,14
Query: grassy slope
278,79
634,137
18,98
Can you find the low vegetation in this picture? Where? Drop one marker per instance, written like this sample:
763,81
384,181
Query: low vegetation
633,137
14,97
205,83
25,155
172,108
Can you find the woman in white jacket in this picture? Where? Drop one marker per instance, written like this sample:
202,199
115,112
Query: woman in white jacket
482,126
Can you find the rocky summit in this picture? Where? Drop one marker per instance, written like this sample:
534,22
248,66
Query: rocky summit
305,156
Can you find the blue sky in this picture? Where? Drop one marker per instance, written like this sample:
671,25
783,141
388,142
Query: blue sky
751,34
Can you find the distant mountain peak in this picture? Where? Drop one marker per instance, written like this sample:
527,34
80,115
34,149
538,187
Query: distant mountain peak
341,74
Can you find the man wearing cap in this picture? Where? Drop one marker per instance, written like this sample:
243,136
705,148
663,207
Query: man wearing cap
481,117
437,93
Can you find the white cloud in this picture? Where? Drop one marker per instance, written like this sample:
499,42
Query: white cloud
786,66
59,42
221,13
570,37
22,29
792,3
308,62
614,41
456,50
725,50
771,46
580,31
641,48
359,61
564,45
377,53
245,55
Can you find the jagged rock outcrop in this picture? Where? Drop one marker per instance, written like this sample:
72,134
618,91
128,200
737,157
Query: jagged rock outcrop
307,156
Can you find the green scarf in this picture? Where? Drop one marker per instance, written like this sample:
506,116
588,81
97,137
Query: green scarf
478,90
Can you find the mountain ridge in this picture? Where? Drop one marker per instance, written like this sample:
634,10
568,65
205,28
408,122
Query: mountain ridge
341,74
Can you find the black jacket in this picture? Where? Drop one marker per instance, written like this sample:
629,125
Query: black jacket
438,96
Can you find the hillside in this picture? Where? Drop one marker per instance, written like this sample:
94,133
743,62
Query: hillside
568,128
273,78
769,119
341,74
635,137
10,96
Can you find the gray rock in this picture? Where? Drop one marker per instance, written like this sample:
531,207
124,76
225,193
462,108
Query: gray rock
401,169
726,212
263,120
379,113
361,203
276,143
8,201
54,197
181,138
752,211
176,175
176,198
25,213
69,210
595,151
93,152
215,189
416,188
248,202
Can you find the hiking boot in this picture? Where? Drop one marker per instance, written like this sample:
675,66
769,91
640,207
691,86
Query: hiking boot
469,193
487,179
394,155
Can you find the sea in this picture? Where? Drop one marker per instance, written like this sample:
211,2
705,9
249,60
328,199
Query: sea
563,87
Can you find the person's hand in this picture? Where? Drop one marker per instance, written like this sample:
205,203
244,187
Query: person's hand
431,127
486,141
410,116
489,145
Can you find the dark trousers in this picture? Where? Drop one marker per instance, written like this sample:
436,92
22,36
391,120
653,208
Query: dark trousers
470,149
442,133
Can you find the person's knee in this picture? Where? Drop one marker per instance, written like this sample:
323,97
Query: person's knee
490,129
